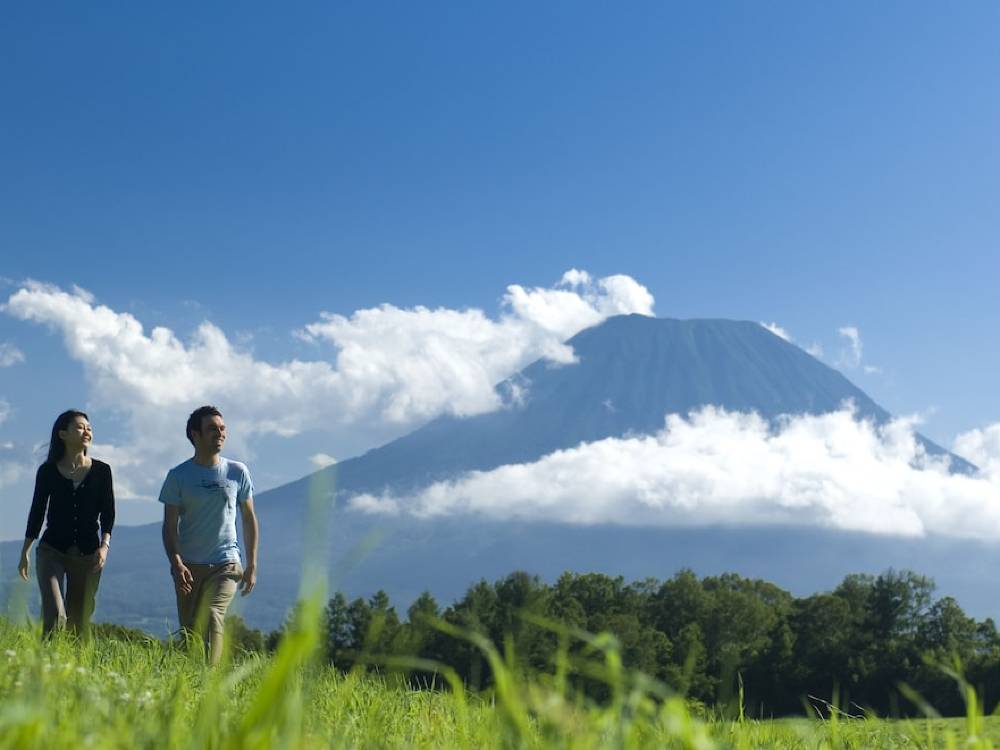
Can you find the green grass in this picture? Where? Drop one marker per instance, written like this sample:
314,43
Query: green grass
148,694
143,693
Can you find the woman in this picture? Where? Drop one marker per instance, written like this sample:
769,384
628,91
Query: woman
78,492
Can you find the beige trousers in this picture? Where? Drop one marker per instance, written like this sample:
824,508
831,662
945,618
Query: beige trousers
68,584
203,611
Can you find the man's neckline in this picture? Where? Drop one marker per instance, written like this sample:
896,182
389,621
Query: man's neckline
196,462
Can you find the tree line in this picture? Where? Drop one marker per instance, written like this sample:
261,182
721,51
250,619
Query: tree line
874,643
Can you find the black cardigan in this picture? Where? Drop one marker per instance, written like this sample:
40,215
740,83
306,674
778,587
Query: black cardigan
73,514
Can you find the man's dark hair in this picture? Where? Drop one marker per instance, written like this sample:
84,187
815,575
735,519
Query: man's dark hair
194,421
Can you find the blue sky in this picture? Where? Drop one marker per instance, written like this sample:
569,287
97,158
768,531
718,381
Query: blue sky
814,165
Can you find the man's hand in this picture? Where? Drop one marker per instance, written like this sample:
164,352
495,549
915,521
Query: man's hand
250,535
183,579
23,567
100,557
249,579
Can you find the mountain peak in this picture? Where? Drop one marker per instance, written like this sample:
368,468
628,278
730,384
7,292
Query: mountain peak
630,372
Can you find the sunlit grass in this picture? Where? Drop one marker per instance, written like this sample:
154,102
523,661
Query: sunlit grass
146,693
121,692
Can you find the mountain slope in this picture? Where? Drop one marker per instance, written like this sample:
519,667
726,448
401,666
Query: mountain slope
632,372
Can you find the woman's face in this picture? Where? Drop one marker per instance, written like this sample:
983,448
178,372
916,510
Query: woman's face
77,435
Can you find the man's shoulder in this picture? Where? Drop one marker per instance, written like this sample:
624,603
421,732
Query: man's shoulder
236,467
182,468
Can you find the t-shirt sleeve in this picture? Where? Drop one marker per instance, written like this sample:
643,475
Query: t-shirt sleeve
246,486
170,493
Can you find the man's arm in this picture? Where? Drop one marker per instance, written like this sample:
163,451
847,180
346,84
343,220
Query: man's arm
251,533
182,576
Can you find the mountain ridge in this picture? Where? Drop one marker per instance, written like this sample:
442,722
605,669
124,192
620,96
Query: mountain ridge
696,363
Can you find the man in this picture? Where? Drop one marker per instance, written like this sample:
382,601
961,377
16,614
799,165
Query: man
200,498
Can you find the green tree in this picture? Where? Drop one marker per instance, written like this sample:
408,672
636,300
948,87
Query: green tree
339,632
476,611
241,638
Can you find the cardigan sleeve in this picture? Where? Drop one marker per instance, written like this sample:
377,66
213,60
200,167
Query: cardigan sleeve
108,506
39,503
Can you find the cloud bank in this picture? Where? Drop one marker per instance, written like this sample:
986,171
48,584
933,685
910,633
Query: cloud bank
385,365
981,447
716,467
409,364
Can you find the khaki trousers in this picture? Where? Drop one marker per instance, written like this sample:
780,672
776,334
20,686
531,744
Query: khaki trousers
68,584
203,611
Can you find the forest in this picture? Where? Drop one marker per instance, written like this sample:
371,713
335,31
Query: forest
876,645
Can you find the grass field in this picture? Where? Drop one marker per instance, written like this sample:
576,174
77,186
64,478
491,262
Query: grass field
148,694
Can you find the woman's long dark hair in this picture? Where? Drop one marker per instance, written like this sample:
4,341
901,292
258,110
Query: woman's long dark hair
57,448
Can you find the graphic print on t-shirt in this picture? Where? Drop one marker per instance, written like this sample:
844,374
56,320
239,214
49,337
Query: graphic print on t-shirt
221,489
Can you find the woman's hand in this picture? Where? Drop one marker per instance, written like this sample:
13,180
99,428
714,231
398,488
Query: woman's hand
23,567
99,558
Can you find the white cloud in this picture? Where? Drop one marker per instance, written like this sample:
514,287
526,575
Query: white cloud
134,477
10,354
86,296
13,464
409,364
4,410
575,277
392,366
833,470
851,357
11,472
614,295
981,447
777,331
322,460
813,349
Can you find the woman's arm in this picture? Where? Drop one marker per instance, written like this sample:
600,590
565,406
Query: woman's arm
107,517
101,555
23,567
39,502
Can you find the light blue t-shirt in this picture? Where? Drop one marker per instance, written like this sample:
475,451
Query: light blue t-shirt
207,497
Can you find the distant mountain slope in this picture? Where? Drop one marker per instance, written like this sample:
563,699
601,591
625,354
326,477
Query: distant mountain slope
445,556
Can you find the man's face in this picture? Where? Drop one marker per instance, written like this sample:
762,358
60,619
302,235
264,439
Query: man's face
212,435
